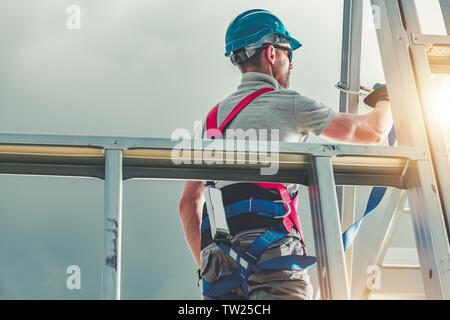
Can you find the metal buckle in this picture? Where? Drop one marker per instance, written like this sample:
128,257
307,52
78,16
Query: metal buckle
243,263
292,189
233,254
199,274
342,86
288,212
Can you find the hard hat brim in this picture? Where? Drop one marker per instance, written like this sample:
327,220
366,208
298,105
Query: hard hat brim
295,44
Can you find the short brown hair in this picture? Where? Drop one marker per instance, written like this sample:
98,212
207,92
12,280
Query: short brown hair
253,61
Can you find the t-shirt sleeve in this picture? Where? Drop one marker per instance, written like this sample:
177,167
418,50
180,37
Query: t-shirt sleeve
199,130
311,115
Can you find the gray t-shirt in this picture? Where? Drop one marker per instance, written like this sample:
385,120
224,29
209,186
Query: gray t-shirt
294,115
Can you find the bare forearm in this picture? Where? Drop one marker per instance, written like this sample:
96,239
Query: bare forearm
382,118
190,216
369,128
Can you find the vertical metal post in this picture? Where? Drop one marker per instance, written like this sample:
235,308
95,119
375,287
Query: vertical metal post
332,271
351,55
445,8
112,225
349,101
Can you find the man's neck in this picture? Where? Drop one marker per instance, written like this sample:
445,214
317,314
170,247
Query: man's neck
262,69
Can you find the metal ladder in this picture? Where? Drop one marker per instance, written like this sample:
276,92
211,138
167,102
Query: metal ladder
409,58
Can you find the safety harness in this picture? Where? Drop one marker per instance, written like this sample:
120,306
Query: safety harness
262,209
279,215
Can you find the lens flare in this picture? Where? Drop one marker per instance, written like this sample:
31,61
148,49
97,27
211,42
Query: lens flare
442,87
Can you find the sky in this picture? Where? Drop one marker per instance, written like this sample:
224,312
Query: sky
143,69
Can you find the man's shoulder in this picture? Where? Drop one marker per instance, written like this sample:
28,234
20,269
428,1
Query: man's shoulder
292,97
291,93
298,96
287,92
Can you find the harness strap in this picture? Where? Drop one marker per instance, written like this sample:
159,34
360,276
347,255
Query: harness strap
211,119
257,207
293,262
289,202
246,263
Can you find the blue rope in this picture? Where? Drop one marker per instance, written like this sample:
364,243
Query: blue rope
376,195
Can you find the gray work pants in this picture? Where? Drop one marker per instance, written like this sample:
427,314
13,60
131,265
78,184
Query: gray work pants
262,284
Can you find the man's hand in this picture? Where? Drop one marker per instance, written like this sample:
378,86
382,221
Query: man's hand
191,205
378,94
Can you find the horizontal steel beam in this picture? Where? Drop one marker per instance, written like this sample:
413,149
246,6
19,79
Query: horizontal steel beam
154,158
91,143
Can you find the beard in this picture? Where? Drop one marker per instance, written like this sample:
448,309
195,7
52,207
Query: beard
285,81
282,78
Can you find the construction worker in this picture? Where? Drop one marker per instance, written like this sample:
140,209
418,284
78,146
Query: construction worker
261,258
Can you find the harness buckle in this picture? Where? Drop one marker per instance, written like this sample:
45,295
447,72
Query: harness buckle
287,206
243,263
216,213
233,254
238,258
292,189
199,275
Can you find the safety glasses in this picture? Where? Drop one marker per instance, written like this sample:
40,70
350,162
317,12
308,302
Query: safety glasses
287,49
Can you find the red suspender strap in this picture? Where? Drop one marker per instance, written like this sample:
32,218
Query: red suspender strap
211,119
241,105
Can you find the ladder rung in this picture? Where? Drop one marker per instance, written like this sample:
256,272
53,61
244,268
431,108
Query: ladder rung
430,40
404,258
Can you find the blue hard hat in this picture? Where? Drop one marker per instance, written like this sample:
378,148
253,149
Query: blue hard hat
252,27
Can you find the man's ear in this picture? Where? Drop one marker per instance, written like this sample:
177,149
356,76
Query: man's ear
269,55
